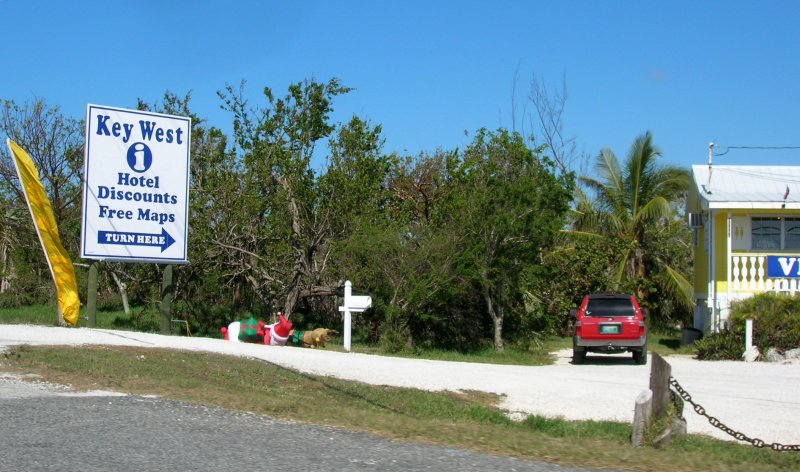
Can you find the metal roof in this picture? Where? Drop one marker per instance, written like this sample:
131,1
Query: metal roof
758,187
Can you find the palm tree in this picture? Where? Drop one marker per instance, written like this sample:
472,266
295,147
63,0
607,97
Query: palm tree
629,203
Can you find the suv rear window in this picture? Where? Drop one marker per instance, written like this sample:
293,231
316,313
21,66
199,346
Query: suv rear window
610,307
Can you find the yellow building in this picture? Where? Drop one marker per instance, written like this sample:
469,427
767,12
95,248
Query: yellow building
746,225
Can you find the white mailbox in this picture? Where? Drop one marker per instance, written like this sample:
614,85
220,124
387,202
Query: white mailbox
358,303
352,303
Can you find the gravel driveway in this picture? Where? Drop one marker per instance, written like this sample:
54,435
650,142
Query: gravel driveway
758,399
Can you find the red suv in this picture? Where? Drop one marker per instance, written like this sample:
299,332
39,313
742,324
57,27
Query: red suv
609,323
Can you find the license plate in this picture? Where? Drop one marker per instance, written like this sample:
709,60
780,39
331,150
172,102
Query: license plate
609,329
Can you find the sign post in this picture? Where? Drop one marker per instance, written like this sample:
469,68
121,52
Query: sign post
91,299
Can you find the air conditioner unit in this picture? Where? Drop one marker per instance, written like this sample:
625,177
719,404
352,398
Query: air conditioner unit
695,220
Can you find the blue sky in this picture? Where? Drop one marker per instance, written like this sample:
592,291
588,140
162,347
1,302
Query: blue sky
691,72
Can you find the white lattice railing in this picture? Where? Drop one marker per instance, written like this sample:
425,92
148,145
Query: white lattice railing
749,274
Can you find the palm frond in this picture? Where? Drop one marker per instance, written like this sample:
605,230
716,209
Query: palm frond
608,169
640,165
655,209
672,181
604,195
678,285
619,269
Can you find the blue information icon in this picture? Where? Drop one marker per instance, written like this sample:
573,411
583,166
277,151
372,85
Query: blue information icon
139,157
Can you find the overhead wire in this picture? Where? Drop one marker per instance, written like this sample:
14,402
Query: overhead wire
761,173
728,148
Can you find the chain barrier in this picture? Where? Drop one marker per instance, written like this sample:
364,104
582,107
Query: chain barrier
722,426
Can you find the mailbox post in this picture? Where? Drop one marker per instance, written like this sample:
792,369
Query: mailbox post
352,303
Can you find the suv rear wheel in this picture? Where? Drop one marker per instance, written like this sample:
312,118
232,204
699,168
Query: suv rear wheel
578,355
640,357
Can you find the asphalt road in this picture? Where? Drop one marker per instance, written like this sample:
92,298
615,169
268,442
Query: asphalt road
46,430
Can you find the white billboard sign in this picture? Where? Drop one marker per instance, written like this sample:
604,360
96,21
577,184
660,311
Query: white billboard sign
136,186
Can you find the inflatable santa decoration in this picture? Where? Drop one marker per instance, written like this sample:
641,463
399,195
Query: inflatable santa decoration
256,331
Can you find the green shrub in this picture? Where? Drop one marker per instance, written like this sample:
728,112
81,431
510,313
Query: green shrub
8,300
725,345
108,301
394,335
207,319
776,324
776,320
146,320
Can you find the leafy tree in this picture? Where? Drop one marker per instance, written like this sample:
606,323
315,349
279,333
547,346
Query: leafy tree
508,204
571,269
55,144
410,280
420,187
355,187
635,204
352,199
404,258
282,246
8,240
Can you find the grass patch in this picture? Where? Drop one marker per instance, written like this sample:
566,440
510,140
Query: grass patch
467,420
46,315
140,319
540,356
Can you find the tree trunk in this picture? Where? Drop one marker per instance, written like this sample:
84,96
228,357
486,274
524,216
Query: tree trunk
640,272
6,268
496,315
237,296
499,346
123,293
410,341
293,295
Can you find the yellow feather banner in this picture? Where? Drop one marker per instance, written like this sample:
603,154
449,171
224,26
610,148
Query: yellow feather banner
58,259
